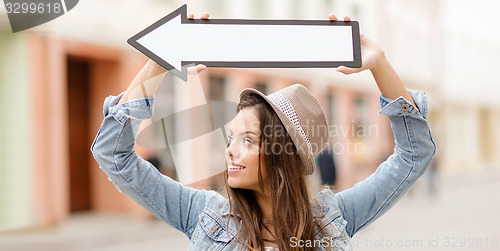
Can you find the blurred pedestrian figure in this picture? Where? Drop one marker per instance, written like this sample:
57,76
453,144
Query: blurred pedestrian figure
326,163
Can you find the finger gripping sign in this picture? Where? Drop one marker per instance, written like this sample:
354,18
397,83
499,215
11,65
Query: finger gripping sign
25,14
176,41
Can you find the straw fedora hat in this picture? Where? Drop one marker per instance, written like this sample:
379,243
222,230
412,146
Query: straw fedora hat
303,118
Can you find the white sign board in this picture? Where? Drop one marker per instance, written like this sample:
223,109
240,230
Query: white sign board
175,42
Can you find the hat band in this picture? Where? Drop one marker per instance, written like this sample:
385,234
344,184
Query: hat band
286,107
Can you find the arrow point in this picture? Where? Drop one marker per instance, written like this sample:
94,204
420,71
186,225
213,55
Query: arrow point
154,43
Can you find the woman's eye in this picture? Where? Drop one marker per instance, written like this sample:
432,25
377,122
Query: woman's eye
230,139
247,141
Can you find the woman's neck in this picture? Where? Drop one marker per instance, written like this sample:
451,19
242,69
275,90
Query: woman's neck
267,226
265,204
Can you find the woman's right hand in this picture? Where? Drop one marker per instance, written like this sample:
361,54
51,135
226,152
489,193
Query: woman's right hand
144,84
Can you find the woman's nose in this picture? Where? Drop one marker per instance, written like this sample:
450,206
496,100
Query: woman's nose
229,150
233,151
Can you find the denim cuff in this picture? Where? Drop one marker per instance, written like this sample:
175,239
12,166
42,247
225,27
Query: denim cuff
402,107
139,109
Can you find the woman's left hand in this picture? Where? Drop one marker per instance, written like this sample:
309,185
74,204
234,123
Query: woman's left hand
371,53
373,58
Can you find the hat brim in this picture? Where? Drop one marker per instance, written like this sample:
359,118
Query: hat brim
305,155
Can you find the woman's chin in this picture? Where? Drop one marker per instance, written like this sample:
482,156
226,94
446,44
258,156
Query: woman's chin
235,183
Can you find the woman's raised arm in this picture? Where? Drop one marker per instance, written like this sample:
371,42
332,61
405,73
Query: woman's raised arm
141,87
407,111
113,149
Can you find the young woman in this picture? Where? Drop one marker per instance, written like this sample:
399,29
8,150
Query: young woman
271,147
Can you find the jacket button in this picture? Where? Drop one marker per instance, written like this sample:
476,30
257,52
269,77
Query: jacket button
405,107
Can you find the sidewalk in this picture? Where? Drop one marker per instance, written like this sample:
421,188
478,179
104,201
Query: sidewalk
100,232
463,215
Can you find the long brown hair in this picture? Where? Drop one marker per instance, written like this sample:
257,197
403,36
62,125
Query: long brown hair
292,210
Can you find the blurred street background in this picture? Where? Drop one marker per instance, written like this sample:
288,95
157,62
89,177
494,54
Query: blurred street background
454,218
55,77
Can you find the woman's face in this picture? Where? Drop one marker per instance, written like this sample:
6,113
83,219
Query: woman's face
242,154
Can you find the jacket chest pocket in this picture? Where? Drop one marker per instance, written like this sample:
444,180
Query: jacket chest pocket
334,236
336,227
211,235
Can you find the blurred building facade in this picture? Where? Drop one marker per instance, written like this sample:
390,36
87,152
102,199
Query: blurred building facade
54,78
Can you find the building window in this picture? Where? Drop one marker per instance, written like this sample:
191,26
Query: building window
331,108
296,8
328,6
217,88
355,12
259,8
218,8
360,120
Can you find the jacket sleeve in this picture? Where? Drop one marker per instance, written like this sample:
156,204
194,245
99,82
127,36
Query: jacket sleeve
112,148
369,199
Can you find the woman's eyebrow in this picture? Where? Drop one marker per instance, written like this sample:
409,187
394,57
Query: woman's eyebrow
245,132
249,132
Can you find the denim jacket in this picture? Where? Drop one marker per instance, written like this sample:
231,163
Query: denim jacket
204,216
